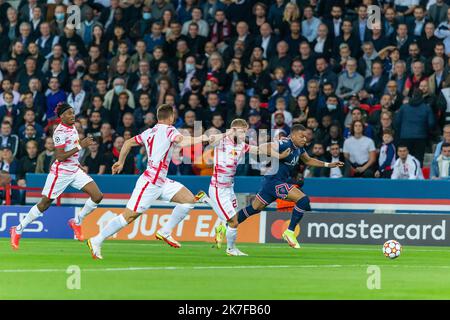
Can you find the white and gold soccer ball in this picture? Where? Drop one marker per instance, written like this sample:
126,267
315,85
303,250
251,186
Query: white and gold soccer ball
392,249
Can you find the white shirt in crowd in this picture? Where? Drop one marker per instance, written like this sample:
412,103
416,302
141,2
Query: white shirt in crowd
335,172
408,169
443,32
443,165
359,149
265,44
318,48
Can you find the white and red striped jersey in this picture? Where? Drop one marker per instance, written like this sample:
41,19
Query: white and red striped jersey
158,142
66,137
227,156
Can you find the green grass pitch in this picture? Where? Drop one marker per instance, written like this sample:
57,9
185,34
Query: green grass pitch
153,270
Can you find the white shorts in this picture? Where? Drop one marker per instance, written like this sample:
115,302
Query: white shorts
55,185
223,201
145,193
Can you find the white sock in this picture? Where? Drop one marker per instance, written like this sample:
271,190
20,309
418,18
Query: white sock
33,214
114,226
89,206
178,214
231,237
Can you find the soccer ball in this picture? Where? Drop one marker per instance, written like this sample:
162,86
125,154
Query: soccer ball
392,249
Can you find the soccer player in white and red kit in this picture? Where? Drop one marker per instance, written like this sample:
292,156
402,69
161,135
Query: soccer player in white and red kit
153,184
65,171
228,153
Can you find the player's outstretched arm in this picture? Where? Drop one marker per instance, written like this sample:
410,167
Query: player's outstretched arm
271,149
215,138
62,155
317,163
118,166
186,141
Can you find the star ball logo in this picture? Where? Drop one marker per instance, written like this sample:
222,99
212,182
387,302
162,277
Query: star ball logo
279,226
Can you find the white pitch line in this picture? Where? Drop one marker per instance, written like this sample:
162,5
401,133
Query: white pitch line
284,246
219,267
307,246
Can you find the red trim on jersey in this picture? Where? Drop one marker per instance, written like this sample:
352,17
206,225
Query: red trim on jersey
140,196
138,140
61,146
161,163
54,181
220,205
67,126
150,144
169,132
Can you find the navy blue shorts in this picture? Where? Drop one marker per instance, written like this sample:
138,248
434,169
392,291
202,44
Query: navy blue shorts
273,189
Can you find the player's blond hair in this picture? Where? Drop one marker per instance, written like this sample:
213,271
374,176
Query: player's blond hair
164,112
239,123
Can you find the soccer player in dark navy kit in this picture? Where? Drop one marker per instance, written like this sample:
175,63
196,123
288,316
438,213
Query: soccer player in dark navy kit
276,183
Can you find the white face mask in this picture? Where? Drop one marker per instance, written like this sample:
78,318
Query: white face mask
189,67
331,107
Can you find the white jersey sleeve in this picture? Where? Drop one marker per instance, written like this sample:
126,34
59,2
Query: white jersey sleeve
59,139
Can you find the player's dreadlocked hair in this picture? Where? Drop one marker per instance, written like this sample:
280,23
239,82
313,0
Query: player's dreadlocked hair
61,107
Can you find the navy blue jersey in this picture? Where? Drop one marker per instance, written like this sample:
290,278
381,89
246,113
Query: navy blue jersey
275,184
286,165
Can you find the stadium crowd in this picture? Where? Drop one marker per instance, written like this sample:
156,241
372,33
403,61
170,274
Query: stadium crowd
377,98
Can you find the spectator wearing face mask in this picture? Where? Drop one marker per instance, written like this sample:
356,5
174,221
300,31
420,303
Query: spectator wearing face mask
112,96
440,167
332,108
142,25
